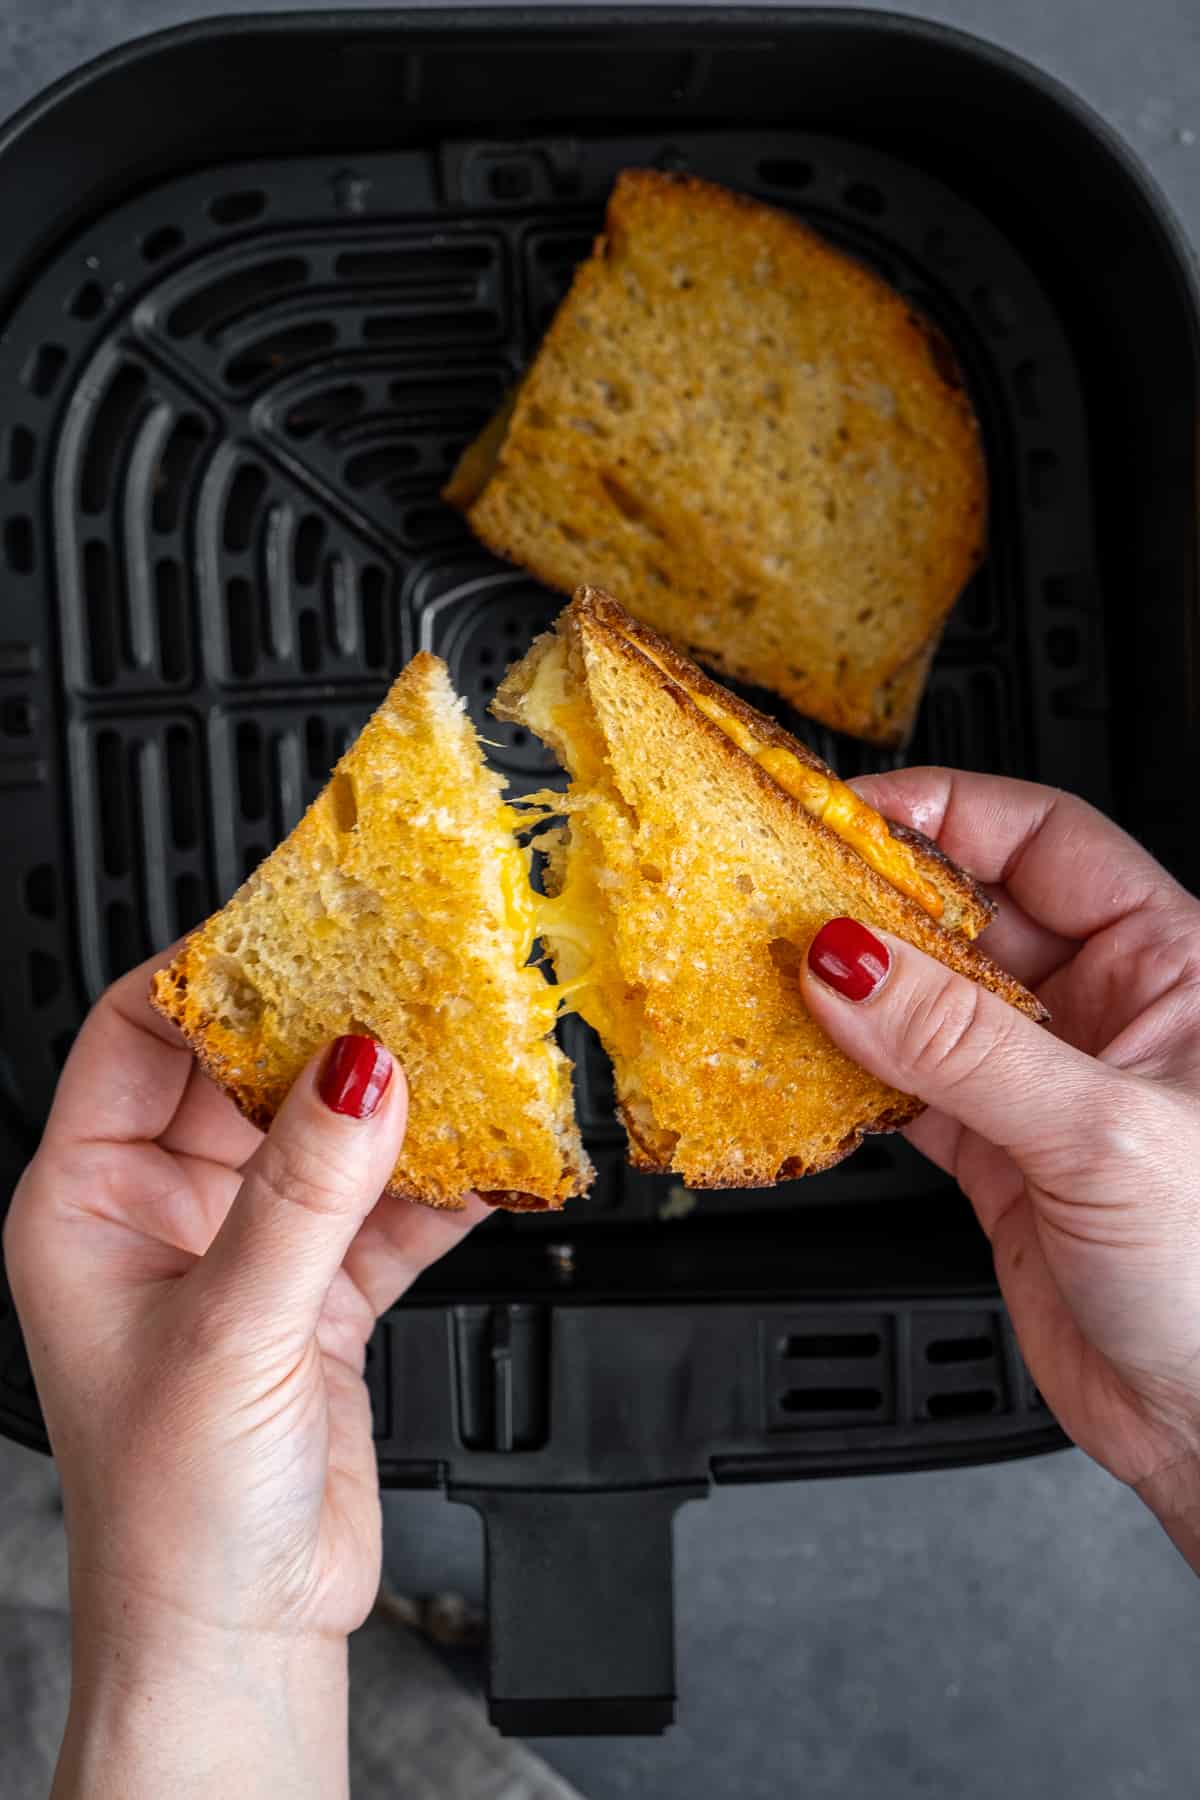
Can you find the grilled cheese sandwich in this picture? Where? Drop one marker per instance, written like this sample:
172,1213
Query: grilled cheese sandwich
694,854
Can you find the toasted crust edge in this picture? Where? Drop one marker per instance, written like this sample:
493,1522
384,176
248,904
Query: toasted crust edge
607,614
794,1168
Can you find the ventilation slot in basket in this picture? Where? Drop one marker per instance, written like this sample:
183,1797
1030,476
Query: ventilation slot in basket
958,1365
827,1370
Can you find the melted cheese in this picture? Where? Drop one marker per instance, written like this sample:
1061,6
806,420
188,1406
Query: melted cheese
824,797
520,914
562,718
575,921
578,924
571,919
518,900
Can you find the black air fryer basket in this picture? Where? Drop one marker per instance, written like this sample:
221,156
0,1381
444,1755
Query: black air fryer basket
263,279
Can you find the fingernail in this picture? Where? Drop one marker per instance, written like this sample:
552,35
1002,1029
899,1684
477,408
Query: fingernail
849,959
355,1076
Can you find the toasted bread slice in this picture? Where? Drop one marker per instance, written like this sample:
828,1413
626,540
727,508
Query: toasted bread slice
755,442
399,907
703,849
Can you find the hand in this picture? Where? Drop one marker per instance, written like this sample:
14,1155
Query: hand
1078,1145
196,1300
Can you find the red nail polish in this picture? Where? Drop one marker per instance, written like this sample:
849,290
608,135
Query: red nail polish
849,958
355,1076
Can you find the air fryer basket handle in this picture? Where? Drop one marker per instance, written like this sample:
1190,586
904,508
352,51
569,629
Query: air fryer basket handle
581,1608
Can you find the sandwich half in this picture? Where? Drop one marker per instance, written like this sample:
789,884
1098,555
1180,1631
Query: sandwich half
702,849
753,440
399,907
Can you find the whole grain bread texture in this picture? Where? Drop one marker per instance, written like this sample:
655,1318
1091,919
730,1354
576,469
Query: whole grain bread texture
387,912
704,882
754,441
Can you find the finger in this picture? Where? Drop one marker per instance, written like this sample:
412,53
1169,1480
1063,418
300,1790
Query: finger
928,1031
305,1193
937,1136
400,1240
207,1123
987,1174
127,1071
1065,864
1019,944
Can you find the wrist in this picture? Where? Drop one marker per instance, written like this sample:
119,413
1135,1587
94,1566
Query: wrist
163,1704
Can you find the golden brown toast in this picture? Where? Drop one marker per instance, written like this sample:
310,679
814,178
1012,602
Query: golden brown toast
704,848
754,441
398,907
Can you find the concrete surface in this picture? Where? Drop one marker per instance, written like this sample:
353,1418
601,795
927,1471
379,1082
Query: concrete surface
1023,1630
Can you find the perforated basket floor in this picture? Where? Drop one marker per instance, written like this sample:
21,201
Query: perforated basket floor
230,406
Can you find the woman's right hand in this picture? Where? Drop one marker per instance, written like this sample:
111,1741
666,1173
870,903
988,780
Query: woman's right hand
1079,1145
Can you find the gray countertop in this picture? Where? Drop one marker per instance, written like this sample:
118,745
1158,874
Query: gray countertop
1017,1630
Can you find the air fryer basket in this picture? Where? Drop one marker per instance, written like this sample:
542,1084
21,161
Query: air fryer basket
237,369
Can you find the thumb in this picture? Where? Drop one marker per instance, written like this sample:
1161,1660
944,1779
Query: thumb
306,1191
906,1018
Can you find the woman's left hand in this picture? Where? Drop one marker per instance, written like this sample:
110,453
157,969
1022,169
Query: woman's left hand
197,1299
